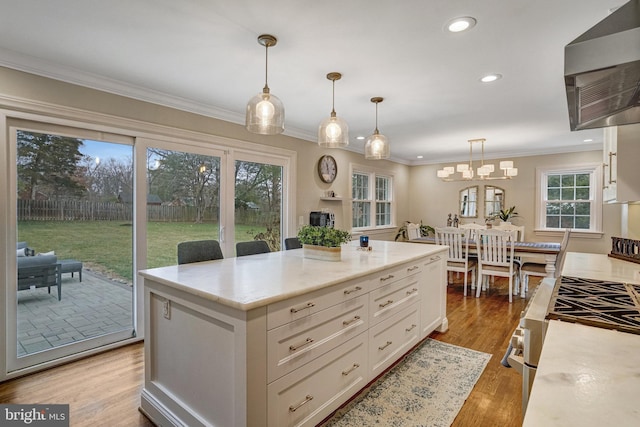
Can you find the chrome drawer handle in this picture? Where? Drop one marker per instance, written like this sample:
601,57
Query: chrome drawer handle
412,291
391,276
348,322
350,291
415,267
434,258
411,328
299,346
309,305
351,369
385,346
307,399
384,304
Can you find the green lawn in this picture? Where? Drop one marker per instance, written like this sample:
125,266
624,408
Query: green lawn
106,246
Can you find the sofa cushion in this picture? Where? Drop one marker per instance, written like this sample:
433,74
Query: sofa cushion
35,261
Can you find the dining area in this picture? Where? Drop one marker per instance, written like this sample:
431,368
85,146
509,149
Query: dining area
482,252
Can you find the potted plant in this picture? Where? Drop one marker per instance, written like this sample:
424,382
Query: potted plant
322,242
425,230
505,215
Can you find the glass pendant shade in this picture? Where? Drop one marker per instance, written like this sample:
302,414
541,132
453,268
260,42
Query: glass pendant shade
376,147
333,132
265,114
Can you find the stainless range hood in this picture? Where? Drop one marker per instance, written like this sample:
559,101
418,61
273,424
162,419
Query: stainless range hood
602,72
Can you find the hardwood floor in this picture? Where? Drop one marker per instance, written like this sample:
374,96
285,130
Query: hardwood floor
104,390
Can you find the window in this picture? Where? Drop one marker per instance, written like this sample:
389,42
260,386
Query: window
570,198
372,195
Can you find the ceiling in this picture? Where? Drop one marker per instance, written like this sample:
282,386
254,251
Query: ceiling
203,56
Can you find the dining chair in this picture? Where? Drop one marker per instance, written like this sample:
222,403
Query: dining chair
539,269
518,235
495,258
413,231
473,229
458,261
292,243
252,247
198,250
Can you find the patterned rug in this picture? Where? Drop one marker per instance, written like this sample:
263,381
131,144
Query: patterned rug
427,388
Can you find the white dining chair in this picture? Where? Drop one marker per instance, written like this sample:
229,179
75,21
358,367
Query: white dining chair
458,261
413,231
495,258
539,269
473,229
518,230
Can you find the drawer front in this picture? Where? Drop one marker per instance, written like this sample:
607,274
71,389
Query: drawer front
395,274
309,394
296,343
389,299
392,338
283,312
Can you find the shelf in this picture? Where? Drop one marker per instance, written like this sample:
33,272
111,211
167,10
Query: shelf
331,199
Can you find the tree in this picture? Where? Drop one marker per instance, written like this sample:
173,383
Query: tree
48,164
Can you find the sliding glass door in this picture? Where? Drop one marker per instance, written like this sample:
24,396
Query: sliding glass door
74,234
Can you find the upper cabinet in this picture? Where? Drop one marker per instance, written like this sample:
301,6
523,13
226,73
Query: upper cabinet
621,164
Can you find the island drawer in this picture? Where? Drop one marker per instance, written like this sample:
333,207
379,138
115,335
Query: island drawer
387,300
309,394
295,308
395,274
392,338
296,343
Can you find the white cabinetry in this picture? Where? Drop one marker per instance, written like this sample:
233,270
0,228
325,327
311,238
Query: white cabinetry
621,167
290,361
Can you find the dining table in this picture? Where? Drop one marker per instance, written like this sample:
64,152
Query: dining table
547,250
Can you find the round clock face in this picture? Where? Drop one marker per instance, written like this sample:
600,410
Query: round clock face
327,169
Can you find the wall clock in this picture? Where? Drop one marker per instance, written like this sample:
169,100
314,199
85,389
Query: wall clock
327,169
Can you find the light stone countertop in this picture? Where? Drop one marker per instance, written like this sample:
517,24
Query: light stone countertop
600,267
254,281
586,377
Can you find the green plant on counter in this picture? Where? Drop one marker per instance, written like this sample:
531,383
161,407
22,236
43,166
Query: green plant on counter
425,230
323,236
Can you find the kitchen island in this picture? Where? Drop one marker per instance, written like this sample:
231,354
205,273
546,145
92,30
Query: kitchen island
278,339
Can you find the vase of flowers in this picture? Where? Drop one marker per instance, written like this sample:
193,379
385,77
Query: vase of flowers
323,243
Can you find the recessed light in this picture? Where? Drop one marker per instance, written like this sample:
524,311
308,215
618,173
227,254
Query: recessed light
588,140
491,78
359,137
420,157
463,23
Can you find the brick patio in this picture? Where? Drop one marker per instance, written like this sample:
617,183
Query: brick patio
91,308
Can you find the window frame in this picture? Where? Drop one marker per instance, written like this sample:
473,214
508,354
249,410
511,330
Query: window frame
595,194
373,174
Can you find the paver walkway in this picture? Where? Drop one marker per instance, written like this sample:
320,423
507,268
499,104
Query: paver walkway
94,307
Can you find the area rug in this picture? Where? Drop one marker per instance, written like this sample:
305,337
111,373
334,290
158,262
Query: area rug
427,388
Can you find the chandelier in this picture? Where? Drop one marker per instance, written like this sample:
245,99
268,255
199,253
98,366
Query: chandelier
482,173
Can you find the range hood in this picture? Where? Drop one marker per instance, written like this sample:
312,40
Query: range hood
602,72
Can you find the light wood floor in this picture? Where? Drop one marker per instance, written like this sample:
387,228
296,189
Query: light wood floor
104,390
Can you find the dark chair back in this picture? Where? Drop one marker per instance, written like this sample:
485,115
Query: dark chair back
198,250
292,243
252,247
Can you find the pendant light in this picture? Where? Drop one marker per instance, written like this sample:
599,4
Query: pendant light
265,112
377,145
333,132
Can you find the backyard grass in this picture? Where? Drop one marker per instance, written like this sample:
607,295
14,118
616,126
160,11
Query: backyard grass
106,246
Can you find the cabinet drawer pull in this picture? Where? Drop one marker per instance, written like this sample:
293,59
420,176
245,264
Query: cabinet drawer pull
434,258
351,369
412,291
299,346
411,328
350,291
384,304
307,399
308,305
415,267
383,279
385,346
348,322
